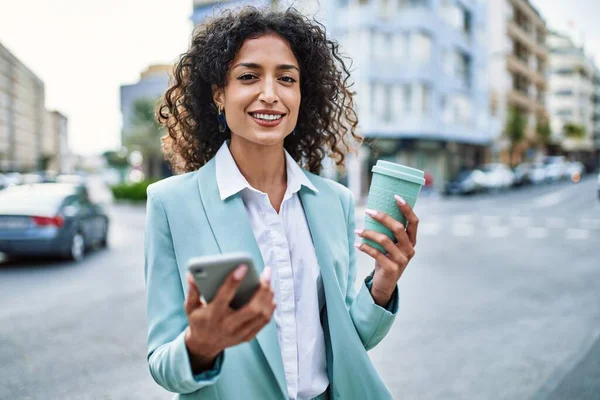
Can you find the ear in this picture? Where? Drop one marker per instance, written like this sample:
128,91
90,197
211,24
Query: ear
218,95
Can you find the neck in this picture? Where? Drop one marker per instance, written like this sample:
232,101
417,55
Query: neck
263,166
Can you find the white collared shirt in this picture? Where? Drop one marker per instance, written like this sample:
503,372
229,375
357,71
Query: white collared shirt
286,246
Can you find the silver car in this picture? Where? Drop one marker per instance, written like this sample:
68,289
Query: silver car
50,219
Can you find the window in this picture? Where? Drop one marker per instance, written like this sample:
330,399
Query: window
448,62
385,9
564,93
380,47
563,71
425,99
462,109
463,67
456,16
406,98
457,64
564,113
420,48
412,3
446,110
398,105
378,100
388,103
400,46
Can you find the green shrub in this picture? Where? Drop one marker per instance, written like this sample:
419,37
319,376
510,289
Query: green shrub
130,191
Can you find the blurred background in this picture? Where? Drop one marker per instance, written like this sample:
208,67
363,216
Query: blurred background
498,101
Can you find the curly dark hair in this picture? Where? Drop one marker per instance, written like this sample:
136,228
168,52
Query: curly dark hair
326,121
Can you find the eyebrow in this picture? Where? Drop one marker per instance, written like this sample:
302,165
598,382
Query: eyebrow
258,66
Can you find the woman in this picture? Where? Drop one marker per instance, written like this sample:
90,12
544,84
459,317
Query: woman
257,93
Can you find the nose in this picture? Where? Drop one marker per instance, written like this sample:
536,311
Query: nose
268,91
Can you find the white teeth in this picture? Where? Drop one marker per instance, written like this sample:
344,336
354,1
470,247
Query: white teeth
267,117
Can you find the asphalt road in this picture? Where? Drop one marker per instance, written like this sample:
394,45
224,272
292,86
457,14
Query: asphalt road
502,301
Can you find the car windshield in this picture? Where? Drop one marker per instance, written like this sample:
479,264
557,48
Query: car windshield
464,175
489,167
33,199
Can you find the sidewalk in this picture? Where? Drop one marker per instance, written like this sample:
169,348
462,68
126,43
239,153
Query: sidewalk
581,382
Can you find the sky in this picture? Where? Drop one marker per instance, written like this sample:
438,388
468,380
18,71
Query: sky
84,50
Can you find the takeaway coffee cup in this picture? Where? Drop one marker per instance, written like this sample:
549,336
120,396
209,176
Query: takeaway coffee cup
390,179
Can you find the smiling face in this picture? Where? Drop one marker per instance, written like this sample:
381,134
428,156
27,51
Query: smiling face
262,96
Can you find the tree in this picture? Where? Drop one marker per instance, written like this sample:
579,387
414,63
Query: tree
145,136
574,131
543,130
515,129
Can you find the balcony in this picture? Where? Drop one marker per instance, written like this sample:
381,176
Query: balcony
520,99
515,64
518,33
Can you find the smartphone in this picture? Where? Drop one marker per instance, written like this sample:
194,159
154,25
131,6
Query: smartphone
211,271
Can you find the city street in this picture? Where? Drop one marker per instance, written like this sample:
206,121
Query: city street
502,301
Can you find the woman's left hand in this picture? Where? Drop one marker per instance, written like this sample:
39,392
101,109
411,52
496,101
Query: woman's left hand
389,267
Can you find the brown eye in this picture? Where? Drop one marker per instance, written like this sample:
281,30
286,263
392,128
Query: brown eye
288,79
246,77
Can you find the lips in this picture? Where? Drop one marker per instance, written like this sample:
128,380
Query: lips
266,118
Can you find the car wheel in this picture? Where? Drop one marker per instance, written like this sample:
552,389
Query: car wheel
76,247
104,240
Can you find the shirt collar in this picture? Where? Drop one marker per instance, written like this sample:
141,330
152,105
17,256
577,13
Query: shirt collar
231,181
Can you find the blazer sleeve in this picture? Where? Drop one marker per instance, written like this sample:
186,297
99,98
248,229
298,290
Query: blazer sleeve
167,354
371,321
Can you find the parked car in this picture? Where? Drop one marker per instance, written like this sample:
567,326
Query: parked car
498,176
28,179
522,174
50,219
466,182
575,170
13,178
537,174
556,168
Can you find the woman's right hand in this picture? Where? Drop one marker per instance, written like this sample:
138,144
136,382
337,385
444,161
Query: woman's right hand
215,326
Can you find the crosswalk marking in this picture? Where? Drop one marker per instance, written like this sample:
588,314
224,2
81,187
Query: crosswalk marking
498,231
537,232
499,226
590,223
463,230
577,234
520,222
491,220
555,222
429,228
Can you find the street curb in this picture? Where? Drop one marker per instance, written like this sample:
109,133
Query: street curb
560,373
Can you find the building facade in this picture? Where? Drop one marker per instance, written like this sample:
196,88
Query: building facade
55,146
153,83
22,114
420,73
518,67
596,118
571,98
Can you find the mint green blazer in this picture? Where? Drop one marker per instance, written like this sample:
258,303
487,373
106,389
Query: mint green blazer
187,218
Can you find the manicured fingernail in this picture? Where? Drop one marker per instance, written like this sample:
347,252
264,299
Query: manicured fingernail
358,231
240,272
266,274
399,199
370,212
357,245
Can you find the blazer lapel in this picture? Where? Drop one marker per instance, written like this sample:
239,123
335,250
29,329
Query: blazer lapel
231,227
351,373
